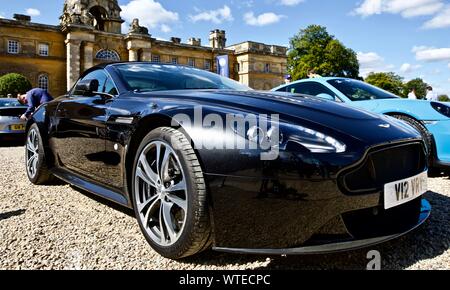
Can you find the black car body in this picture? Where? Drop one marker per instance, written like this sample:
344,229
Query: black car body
301,202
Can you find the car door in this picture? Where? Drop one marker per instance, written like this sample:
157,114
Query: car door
311,88
81,130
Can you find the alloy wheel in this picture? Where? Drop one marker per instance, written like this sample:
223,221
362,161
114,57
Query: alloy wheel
32,153
161,193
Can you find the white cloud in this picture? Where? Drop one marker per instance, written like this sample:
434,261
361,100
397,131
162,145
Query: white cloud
291,2
150,14
262,19
407,68
431,54
441,20
33,12
1,16
215,16
372,62
406,8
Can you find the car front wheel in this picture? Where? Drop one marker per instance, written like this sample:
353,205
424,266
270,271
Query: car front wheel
169,195
35,162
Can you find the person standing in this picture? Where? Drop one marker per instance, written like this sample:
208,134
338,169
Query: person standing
431,95
412,95
34,98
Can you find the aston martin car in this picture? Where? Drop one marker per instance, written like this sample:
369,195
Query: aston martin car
431,119
206,162
11,126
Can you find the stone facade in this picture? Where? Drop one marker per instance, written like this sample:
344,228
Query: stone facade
90,33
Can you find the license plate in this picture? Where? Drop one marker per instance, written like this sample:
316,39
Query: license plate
403,191
19,127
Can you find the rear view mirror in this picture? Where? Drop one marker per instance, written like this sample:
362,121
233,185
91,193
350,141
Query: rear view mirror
326,97
87,87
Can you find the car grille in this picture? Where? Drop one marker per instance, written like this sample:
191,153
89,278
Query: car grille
382,166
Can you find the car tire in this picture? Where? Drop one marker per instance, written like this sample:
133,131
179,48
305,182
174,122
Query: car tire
422,130
176,224
35,162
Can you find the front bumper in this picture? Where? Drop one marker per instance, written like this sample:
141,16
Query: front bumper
441,134
314,211
331,247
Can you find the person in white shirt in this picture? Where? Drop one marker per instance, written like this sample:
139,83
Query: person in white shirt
412,95
431,95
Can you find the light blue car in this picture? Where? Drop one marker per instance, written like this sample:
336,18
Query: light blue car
431,119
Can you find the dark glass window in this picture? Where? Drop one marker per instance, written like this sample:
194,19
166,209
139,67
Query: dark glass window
154,77
110,88
99,75
308,88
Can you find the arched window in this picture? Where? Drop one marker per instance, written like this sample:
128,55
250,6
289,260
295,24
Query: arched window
43,81
109,55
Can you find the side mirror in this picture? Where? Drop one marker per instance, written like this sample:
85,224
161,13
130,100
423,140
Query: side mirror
326,97
87,87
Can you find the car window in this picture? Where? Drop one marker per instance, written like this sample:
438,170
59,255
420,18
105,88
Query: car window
309,88
152,77
110,88
99,75
360,91
10,103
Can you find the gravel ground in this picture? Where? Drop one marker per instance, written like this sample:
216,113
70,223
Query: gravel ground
59,227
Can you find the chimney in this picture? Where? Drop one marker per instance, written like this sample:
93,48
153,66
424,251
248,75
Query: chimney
175,40
194,41
217,39
21,17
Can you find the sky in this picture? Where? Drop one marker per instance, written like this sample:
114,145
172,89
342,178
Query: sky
408,37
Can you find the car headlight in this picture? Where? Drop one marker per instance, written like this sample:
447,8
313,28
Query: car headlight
314,141
441,109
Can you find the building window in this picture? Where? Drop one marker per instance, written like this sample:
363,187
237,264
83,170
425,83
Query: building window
108,55
174,60
191,62
207,64
43,81
13,47
156,58
267,68
43,49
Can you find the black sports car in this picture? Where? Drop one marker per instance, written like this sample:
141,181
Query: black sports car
284,174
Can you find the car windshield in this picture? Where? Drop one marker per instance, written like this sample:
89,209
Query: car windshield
6,103
360,91
153,77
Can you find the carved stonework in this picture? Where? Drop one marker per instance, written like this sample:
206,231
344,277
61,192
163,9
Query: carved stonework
135,28
101,14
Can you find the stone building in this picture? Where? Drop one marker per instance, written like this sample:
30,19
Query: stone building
89,33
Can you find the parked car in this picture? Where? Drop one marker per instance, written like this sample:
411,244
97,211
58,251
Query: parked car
343,178
11,126
431,119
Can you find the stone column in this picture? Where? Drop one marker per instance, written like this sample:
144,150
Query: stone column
146,54
137,42
88,55
73,61
133,54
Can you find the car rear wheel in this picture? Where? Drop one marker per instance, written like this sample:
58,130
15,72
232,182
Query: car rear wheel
169,195
426,136
35,162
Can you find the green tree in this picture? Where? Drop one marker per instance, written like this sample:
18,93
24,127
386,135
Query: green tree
315,49
444,98
13,84
387,81
419,85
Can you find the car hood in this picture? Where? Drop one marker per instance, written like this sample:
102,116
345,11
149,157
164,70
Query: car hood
301,110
